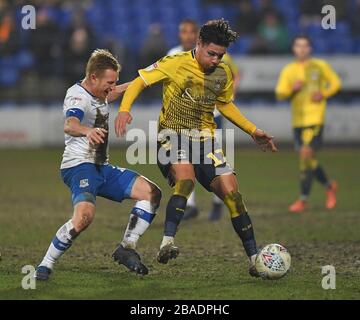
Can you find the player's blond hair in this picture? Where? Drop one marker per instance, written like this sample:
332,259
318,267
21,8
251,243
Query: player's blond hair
101,60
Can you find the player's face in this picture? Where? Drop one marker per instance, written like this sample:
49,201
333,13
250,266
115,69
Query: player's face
105,83
209,55
188,34
301,49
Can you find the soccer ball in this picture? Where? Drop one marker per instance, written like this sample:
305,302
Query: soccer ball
273,261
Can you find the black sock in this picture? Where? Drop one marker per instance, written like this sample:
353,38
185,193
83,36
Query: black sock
306,178
243,227
320,176
174,214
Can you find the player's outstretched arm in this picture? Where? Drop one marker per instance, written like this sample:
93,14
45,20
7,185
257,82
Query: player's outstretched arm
73,127
124,117
117,92
233,114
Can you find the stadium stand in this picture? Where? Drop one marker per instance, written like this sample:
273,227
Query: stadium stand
129,21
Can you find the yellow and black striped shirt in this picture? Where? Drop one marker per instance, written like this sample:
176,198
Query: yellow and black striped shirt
189,94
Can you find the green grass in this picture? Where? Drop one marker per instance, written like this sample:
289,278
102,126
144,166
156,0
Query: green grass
212,265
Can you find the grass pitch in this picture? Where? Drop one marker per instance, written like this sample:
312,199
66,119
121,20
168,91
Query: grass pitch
212,265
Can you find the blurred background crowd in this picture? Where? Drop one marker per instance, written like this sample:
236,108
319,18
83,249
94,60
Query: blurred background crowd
38,65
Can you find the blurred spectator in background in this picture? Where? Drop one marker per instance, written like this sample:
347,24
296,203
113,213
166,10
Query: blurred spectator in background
45,45
75,5
154,48
310,12
188,34
355,20
341,7
211,2
9,35
266,6
247,19
78,44
3,5
125,57
272,36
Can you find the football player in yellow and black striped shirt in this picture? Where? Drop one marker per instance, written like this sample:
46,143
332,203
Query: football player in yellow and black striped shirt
188,35
194,83
308,82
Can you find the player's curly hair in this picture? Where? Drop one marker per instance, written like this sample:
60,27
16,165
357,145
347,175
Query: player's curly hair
218,32
101,60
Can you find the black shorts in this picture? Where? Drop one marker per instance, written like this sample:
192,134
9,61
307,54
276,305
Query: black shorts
309,136
206,156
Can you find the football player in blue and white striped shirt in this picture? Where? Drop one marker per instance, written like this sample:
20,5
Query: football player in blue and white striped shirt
86,171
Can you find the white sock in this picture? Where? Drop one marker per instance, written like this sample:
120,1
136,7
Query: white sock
61,242
191,201
140,219
216,199
166,240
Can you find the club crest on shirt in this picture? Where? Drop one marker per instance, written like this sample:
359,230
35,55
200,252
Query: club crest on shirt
84,183
314,75
217,85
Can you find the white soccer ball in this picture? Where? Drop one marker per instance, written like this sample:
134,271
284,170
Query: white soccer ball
273,261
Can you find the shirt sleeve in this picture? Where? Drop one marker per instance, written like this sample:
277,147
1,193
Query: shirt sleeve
163,69
333,82
283,88
227,94
233,114
75,105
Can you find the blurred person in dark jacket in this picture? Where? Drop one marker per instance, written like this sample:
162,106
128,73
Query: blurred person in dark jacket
44,44
78,44
153,48
9,34
247,18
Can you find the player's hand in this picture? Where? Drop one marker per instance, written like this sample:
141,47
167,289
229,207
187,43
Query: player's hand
96,136
264,140
298,85
317,96
123,118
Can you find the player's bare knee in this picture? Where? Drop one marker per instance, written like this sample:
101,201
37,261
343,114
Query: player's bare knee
235,203
306,153
85,219
83,216
184,188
